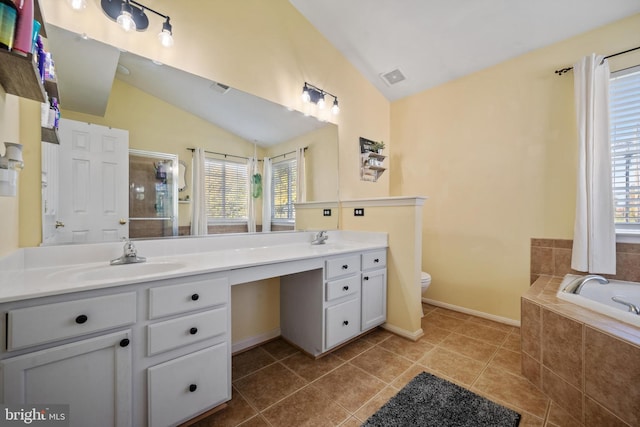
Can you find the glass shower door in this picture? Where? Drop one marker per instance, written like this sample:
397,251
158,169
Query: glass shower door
153,194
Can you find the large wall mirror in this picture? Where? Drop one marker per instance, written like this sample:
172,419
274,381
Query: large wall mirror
167,111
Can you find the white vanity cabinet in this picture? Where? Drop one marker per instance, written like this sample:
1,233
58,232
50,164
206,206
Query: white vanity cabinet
321,309
193,319
53,356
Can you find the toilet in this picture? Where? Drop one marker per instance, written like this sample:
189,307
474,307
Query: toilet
425,281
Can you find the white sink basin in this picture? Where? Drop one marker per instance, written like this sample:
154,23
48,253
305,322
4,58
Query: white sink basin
114,272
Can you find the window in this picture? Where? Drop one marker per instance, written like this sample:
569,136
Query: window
624,101
227,190
283,183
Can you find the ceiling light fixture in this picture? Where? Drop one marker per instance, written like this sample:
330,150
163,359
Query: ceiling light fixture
131,16
311,93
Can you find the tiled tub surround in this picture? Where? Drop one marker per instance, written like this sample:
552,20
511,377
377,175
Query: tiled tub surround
586,362
553,257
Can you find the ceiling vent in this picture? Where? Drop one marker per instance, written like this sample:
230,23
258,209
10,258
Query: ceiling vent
392,77
219,87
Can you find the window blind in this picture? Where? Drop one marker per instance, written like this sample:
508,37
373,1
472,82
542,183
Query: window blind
227,190
283,183
624,90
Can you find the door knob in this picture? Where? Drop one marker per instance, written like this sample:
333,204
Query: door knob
123,221
59,224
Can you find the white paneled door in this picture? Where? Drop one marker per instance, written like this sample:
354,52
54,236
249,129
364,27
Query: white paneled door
94,178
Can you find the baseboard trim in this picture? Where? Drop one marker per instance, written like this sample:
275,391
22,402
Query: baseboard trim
254,341
465,310
413,336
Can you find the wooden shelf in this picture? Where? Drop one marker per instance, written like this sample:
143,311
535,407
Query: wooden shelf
19,76
371,166
49,135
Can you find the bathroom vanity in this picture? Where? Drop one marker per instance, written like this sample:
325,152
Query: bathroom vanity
150,344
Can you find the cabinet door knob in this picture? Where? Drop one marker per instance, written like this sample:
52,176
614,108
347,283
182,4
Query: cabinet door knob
345,266
376,260
366,277
193,331
81,319
193,387
195,297
345,288
124,342
345,323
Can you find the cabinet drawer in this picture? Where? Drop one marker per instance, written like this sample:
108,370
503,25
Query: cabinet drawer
342,287
374,259
174,299
342,266
186,330
189,385
51,322
342,321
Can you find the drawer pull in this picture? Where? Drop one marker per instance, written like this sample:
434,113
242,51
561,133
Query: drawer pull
366,277
193,331
376,260
195,297
345,323
81,319
345,266
345,288
124,342
193,388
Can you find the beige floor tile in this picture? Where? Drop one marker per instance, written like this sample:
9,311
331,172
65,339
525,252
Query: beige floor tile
427,308
377,335
528,420
257,421
496,325
352,422
349,386
353,349
439,320
559,417
381,363
452,313
266,386
513,341
310,368
236,412
279,348
453,365
372,406
433,334
309,406
481,332
472,348
513,389
247,362
404,378
412,350
508,360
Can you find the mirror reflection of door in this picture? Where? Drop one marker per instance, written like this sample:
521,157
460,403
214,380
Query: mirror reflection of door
153,194
92,175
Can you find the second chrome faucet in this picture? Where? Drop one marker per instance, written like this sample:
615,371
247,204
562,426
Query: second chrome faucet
129,254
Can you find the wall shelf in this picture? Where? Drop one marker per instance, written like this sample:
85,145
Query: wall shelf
19,76
371,166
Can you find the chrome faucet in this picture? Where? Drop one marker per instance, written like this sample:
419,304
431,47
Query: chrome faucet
320,238
632,307
129,254
575,286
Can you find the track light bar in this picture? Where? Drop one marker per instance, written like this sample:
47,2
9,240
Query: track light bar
311,93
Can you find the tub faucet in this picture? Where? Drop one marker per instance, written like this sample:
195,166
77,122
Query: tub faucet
129,254
320,238
575,286
632,307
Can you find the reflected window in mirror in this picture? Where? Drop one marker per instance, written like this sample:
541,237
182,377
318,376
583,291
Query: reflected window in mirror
227,193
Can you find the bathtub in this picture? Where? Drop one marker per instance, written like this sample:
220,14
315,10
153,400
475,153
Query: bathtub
597,297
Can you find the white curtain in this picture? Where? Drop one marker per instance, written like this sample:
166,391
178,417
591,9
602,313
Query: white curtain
301,191
199,209
594,236
266,195
251,214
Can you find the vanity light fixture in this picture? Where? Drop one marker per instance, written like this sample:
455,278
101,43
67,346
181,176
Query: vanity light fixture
10,163
78,4
311,93
130,16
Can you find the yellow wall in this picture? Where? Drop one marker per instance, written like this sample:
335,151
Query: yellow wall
495,152
9,132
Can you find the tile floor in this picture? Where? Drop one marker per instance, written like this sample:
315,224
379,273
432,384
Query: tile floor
276,385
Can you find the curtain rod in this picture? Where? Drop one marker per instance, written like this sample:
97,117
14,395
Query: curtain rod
567,69
286,154
245,158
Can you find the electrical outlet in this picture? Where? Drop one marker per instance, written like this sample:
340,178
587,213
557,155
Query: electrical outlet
358,212
326,212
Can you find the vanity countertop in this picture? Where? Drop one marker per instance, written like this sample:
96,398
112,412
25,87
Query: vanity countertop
32,279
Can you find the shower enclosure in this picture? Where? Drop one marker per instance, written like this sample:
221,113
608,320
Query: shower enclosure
153,194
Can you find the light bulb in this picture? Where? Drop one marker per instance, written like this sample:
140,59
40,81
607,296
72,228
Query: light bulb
166,39
126,22
321,103
78,4
305,95
335,109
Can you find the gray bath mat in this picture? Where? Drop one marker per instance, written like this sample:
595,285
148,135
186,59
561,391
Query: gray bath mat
429,401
